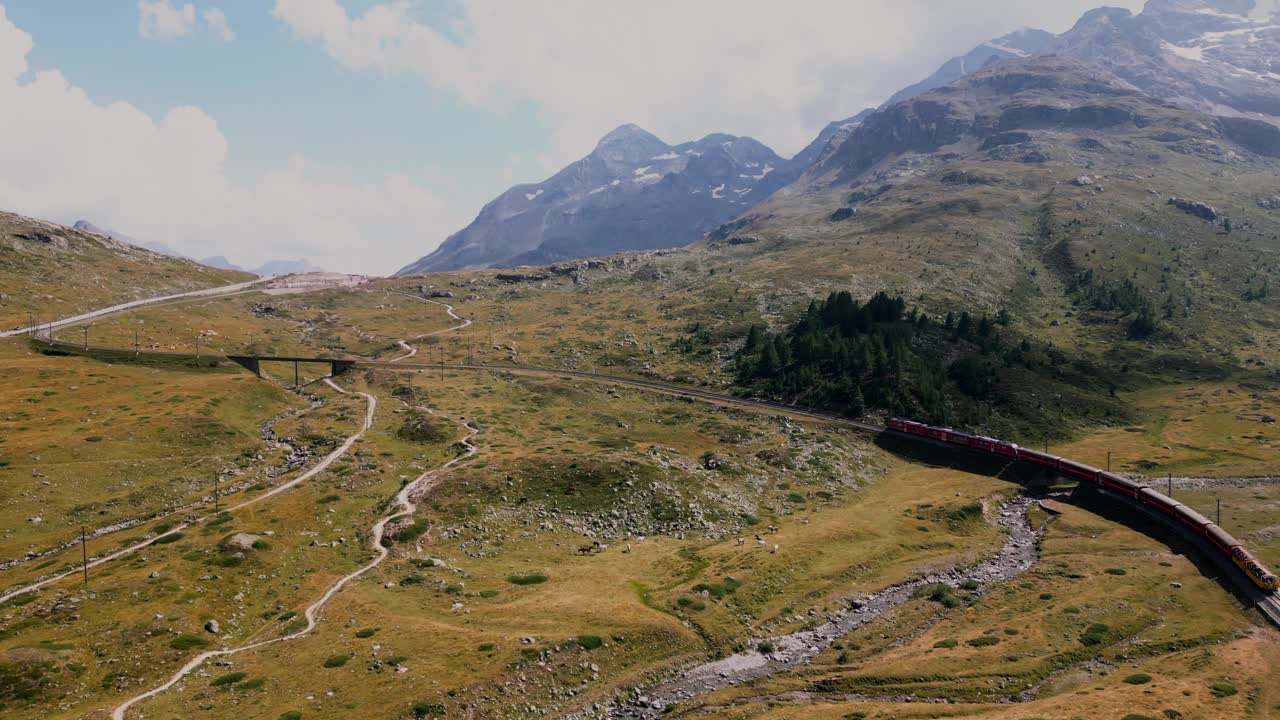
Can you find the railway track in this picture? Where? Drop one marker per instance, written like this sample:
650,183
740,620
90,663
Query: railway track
1268,604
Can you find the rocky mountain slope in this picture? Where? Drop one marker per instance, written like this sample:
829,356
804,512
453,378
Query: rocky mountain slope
632,192
1049,189
1017,44
56,271
1216,56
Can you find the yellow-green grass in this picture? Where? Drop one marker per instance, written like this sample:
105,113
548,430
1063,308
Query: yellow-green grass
78,272
1202,430
366,320
1186,639
626,599
120,632
85,442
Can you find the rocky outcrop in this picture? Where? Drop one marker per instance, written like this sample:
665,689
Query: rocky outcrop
1195,207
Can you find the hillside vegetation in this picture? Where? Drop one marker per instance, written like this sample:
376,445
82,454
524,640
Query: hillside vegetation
53,272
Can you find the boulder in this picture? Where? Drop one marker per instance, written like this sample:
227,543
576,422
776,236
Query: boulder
242,541
213,627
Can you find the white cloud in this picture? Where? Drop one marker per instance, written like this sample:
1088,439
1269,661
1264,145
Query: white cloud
778,71
66,157
159,20
216,21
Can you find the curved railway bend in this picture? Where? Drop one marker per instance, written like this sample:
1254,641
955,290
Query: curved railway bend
1266,603
1019,552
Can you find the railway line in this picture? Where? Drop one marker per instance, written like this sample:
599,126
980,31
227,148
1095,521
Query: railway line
1268,603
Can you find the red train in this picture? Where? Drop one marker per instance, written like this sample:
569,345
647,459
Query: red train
1220,539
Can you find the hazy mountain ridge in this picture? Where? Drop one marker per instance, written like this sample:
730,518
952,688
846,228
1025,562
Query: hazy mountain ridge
632,192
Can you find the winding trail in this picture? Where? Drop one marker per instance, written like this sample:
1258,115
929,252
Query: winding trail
315,469
1018,554
404,506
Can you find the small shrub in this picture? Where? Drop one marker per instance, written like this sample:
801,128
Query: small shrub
414,579
1138,679
1223,690
488,593
1095,634
1173,714
166,539
530,579
187,642
395,660
1046,596
1136,716
422,709
984,641
764,647
366,632
228,679
940,593
946,644
261,544
487,647
336,661
287,616
290,715
253,684
969,584
1011,631
590,642
453,589
1116,571
328,499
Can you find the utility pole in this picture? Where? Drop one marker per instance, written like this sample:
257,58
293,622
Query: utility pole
86,337
84,555
1108,461
296,381
1219,521
135,343
197,346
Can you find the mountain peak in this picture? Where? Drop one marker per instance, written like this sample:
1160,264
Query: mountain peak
629,133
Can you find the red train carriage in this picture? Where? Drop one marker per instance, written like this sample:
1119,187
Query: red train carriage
1039,458
1122,485
1079,470
1192,520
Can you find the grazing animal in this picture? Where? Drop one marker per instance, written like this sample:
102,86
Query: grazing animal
585,549
741,541
774,551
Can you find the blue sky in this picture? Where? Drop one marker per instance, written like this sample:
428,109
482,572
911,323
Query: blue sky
360,133
274,95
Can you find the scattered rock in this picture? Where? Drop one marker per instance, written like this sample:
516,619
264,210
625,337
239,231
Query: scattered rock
213,627
1082,181
1271,203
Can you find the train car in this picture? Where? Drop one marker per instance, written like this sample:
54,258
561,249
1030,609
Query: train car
1192,519
1079,470
1220,538
1039,458
1116,483
1007,449
1257,572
